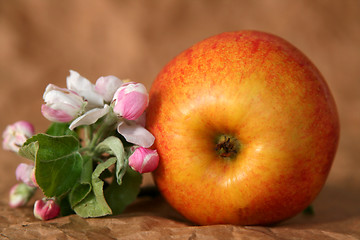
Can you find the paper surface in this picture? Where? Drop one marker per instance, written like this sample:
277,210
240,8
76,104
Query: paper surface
40,41
151,218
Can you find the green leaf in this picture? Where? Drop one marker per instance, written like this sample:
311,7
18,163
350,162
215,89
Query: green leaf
95,205
114,146
120,196
29,149
65,208
309,210
58,163
79,193
83,187
60,129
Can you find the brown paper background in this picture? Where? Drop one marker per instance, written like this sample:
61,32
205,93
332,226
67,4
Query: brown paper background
41,40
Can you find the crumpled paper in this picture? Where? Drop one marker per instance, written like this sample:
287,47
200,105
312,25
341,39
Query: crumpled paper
337,216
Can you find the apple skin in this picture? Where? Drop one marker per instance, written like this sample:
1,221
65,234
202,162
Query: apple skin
263,91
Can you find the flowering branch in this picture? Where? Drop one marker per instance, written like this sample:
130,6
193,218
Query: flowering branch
91,158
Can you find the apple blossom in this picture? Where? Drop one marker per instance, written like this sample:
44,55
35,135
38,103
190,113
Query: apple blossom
84,88
24,173
20,194
64,156
61,104
107,86
46,209
130,100
16,134
144,160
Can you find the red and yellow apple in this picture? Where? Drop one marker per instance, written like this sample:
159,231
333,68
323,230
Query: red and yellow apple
246,129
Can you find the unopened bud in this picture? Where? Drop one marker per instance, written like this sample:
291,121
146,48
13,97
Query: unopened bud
130,100
24,173
61,104
46,209
16,134
144,160
33,178
20,194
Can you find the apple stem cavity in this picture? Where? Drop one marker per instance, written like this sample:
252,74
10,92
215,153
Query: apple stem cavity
227,146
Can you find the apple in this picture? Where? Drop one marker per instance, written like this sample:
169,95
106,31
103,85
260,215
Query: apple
246,129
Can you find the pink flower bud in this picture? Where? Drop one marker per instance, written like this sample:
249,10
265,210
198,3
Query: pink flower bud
33,178
61,104
24,174
130,100
20,194
46,209
144,160
16,134
107,86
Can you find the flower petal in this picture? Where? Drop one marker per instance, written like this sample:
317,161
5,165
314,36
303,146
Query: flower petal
84,88
90,117
136,134
141,120
66,98
55,115
107,86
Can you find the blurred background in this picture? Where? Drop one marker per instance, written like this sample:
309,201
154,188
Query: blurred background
40,41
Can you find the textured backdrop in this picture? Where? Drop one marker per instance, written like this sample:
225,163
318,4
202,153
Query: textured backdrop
41,40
